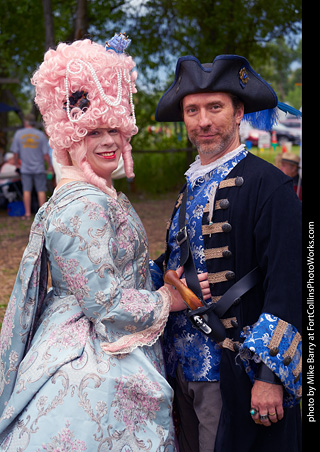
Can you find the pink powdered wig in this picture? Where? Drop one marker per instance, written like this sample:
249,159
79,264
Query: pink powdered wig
103,77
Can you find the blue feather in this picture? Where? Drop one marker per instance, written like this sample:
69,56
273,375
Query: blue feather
288,109
266,119
263,120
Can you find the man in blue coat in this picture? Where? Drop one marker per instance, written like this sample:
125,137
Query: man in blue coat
239,390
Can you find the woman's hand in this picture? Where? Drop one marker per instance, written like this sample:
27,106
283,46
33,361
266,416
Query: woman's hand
177,302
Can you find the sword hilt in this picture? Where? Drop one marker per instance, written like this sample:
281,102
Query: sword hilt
193,302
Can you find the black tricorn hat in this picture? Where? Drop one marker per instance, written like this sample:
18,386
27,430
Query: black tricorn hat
228,73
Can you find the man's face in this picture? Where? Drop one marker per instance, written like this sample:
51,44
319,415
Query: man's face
290,169
212,124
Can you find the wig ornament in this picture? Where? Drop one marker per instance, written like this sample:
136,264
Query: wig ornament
118,43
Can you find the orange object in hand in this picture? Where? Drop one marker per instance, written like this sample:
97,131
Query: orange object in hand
203,317
193,302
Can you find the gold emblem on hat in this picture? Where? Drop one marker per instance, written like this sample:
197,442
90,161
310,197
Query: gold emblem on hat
244,75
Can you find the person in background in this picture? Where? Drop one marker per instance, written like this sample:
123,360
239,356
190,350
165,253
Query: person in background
82,365
3,146
289,164
30,146
9,167
237,378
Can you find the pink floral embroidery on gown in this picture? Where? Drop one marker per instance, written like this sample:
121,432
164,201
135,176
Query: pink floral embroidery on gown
81,366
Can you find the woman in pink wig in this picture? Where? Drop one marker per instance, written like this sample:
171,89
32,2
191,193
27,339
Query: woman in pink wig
81,364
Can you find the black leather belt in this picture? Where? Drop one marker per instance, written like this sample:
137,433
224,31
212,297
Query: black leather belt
207,317
244,284
186,258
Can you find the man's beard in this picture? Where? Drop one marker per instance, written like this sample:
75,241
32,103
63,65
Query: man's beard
217,145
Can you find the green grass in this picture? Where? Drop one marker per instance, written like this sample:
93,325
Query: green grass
269,154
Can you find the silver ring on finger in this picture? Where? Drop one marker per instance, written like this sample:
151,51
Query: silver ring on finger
264,417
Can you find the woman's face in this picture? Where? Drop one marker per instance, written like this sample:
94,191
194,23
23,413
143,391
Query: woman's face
104,147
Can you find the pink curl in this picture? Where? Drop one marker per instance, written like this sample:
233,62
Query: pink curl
127,160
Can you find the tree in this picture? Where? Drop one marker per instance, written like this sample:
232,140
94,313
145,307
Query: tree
161,31
166,29
48,23
28,28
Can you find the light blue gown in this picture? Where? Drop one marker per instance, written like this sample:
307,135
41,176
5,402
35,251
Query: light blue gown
81,366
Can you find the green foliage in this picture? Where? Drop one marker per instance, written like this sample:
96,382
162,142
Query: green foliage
160,173
21,41
161,31
156,173
160,138
166,29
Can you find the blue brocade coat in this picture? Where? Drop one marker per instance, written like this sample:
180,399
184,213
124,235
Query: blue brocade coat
82,367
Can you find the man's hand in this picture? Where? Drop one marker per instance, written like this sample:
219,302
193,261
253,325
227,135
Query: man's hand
204,284
266,399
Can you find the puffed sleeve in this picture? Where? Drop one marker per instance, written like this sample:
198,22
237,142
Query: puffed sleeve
98,253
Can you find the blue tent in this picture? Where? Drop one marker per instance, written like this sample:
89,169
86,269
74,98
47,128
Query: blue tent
5,108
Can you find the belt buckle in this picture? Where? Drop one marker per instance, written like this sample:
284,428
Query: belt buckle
181,235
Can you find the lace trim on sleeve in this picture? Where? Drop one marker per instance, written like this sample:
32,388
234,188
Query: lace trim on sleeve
147,337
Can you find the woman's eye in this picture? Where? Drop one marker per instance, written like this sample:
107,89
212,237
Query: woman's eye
93,133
